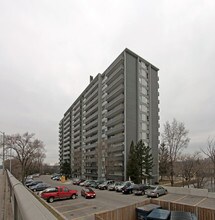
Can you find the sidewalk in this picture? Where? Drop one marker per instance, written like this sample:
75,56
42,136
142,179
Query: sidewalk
5,205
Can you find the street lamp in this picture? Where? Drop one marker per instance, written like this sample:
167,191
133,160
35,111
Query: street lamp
3,149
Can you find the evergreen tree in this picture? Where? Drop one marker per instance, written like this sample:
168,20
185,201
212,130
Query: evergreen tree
132,168
140,162
147,162
66,169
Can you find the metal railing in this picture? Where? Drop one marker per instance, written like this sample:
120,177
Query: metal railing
25,205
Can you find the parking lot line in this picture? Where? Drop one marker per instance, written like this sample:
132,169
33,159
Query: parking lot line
77,209
180,198
200,201
70,205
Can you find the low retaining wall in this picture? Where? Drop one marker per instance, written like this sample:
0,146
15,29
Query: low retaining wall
190,191
25,205
202,211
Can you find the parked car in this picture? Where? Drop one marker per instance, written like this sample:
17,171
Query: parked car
39,187
83,183
119,187
36,175
139,189
88,183
105,184
87,192
60,192
57,177
96,183
33,183
112,187
128,188
77,181
27,181
155,191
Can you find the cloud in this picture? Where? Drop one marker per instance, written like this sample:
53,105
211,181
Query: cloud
48,50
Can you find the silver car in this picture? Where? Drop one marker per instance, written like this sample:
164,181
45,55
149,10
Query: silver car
155,191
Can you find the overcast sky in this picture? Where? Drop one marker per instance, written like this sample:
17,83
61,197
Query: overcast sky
49,49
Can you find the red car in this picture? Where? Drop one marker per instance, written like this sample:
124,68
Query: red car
87,192
59,192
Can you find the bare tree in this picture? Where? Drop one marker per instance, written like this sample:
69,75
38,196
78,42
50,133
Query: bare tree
175,139
190,169
163,160
210,152
201,173
27,151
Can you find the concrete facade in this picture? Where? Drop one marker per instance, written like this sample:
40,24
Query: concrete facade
117,107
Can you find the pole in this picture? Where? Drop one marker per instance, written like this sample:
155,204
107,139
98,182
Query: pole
3,150
10,160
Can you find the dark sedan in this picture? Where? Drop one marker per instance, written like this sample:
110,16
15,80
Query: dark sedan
33,183
128,188
139,189
39,187
87,192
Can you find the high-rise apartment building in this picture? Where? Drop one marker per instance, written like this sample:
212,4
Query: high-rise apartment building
117,107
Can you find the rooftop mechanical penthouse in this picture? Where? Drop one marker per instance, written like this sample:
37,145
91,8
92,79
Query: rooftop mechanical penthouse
118,106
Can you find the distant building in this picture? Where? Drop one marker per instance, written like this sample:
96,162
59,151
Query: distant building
118,106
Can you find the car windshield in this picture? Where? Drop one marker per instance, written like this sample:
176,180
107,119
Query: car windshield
88,190
118,183
152,187
50,190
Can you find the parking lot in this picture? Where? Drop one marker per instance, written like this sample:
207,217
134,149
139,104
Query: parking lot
84,209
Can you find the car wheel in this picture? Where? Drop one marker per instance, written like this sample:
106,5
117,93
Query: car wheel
35,190
51,199
157,195
73,196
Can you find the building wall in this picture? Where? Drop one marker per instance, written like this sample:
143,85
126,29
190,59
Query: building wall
117,107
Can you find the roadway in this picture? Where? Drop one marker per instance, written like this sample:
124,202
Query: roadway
84,209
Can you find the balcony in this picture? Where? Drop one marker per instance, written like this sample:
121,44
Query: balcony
115,84
76,123
117,91
91,90
92,110
66,119
91,104
91,117
90,146
115,120
91,125
76,144
91,97
116,111
116,129
76,116
92,131
77,133
77,139
118,100
115,74
91,167
117,63
91,139
90,153
116,139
